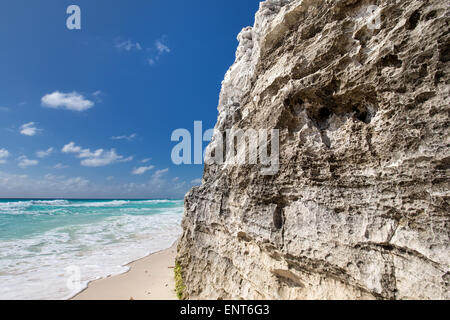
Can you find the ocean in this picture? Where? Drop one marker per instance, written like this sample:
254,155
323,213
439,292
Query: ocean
51,249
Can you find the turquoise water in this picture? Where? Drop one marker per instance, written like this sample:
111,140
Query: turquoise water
50,249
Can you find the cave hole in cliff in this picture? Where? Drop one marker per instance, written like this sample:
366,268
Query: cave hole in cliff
293,103
290,117
321,117
327,107
362,114
389,61
431,15
278,220
324,114
413,20
311,31
444,52
363,35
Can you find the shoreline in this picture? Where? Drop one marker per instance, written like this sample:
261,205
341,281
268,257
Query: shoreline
147,278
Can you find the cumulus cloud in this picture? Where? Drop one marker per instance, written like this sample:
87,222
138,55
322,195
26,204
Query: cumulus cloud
44,153
71,148
131,137
142,170
98,158
29,129
24,162
101,158
128,45
196,181
3,155
69,101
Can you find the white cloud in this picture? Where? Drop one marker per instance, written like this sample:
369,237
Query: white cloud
142,170
156,51
76,182
146,160
161,48
44,153
131,137
160,173
60,166
3,155
196,181
58,186
70,101
71,148
29,129
102,158
14,185
98,96
66,182
4,109
159,184
52,177
98,158
128,45
24,162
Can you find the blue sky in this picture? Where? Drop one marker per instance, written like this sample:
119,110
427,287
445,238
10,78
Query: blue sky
90,112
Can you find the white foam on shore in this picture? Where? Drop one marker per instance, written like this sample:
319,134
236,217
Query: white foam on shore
41,266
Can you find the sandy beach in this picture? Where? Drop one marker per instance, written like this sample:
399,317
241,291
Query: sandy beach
150,278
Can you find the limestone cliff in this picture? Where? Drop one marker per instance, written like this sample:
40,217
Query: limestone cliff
360,206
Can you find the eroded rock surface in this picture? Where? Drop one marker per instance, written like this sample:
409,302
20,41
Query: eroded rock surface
360,206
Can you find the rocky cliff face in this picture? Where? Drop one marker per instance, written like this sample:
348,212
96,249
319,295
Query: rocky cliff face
360,206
